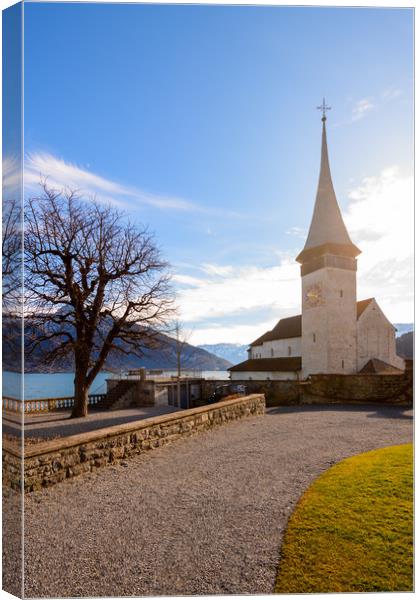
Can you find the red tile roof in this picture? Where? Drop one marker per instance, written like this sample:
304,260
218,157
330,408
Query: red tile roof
291,327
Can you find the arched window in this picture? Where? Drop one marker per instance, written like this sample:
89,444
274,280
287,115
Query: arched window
289,350
314,337
272,352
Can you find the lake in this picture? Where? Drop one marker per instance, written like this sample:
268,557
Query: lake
59,385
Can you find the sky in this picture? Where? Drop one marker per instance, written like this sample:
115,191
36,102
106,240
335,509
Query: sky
201,122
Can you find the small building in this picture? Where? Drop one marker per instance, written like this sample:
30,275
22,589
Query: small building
335,333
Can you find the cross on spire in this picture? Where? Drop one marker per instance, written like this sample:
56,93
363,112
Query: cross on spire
324,108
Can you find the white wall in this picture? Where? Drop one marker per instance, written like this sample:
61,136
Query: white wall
263,375
376,338
278,348
329,332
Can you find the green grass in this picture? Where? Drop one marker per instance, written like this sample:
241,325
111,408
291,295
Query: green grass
352,531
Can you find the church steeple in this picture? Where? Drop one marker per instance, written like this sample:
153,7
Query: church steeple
327,232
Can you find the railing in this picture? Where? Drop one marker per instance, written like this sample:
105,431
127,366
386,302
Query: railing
45,404
157,374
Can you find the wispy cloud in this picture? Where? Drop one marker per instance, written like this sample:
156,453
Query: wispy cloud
391,93
12,176
64,174
362,108
296,231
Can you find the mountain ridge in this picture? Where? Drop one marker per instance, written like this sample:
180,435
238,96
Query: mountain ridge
236,353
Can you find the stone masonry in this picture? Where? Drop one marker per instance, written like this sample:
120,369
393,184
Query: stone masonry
53,461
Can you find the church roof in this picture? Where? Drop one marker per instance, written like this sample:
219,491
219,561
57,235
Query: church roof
286,328
287,363
327,225
362,306
291,327
374,365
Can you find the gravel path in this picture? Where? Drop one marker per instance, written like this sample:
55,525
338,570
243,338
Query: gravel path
204,515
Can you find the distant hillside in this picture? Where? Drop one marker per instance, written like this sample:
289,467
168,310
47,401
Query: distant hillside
405,345
162,356
403,328
234,353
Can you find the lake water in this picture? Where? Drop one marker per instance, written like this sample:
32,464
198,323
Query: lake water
60,385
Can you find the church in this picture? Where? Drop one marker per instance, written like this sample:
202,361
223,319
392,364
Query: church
335,333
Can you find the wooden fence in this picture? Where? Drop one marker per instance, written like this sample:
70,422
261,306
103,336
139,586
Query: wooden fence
45,404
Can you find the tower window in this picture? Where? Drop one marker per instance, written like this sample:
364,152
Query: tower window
289,350
314,337
272,352
342,364
341,293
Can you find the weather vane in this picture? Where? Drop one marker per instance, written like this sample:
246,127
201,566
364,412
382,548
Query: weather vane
324,108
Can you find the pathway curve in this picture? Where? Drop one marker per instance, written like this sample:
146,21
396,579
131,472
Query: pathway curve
204,515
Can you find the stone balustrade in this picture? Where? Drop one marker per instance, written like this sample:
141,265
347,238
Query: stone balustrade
45,404
50,462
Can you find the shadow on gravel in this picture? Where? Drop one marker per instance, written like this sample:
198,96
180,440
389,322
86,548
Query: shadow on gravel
66,426
384,412
375,410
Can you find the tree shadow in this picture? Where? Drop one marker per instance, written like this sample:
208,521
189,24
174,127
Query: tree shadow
373,410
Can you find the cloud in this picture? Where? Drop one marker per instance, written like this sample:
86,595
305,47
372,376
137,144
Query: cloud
241,334
362,107
221,271
298,232
12,176
229,291
62,174
379,218
391,93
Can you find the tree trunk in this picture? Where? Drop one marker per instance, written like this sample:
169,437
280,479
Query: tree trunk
80,408
178,362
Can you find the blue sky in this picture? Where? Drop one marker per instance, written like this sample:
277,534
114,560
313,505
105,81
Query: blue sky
201,122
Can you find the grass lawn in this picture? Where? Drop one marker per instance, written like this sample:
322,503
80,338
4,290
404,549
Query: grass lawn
352,530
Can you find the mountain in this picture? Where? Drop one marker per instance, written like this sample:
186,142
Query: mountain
162,355
165,357
234,353
403,328
405,345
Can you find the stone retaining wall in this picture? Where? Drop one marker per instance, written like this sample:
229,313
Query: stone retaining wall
277,393
49,462
360,387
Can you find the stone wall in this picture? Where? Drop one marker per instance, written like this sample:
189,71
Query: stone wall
389,389
139,393
49,462
361,387
276,392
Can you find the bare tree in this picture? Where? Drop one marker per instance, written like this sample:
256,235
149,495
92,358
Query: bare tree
95,283
12,281
181,339
11,253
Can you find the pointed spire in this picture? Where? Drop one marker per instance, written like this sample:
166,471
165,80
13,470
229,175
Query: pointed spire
327,225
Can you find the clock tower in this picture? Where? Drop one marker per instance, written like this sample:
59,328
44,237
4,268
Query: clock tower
328,271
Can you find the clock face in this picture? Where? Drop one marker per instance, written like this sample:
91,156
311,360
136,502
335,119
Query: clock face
313,295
